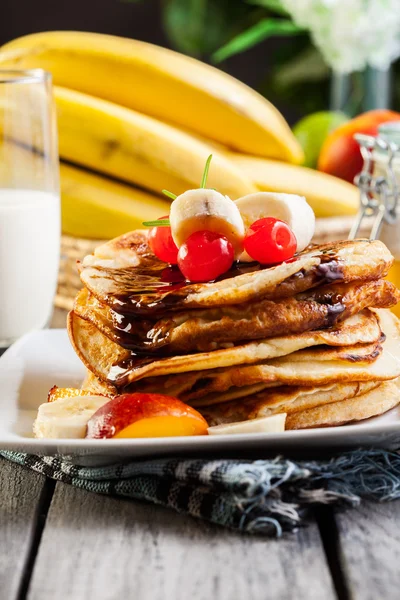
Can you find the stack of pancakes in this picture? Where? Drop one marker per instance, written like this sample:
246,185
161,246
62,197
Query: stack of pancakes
310,337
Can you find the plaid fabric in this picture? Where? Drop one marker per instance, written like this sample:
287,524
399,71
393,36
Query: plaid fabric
256,496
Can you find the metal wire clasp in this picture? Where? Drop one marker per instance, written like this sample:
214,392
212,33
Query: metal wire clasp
378,194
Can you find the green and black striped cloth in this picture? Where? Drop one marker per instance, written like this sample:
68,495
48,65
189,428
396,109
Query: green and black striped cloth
266,497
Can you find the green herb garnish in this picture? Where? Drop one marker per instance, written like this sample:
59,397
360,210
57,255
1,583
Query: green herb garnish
205,174
165,222
158,223
169,194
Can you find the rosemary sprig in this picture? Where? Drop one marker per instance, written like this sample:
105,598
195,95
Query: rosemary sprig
158,223
205,174
165,222
169,194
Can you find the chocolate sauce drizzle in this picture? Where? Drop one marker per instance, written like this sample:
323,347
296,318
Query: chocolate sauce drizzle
153,291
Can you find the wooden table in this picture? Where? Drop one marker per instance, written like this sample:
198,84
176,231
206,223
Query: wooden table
61,543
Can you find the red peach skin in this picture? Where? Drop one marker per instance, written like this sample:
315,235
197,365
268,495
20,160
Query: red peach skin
145,415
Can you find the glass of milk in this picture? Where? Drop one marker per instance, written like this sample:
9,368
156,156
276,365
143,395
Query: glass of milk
29,203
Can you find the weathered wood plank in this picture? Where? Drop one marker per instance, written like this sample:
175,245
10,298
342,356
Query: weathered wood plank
111,549
20,498
369,550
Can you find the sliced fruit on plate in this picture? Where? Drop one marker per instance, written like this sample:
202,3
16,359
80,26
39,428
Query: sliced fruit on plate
145,415
273,424
66,417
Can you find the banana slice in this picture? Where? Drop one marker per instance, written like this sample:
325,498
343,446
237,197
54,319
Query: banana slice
273,424
206,209
66,417
292,209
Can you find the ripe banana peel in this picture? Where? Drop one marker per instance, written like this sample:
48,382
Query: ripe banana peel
328,196
161,83
138,149
96,207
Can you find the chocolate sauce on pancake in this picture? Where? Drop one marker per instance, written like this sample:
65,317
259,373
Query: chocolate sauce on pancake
151,289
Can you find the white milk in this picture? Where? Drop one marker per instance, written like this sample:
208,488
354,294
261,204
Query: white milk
29,260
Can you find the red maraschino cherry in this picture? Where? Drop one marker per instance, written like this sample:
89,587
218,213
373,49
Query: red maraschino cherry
162,244
270,241
205,256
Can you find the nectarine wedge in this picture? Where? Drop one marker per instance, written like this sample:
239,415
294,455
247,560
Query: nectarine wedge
145,415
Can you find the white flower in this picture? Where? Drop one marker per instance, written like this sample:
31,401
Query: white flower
351,34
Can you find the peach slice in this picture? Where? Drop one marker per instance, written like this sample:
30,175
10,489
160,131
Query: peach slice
145,415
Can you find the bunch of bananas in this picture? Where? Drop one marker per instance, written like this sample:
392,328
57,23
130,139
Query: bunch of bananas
134,118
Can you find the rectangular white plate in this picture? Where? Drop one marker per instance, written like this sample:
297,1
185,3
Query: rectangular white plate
42,359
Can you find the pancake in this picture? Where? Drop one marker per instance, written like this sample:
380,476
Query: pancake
360,328
126,275
99,353
96,386
287,400
371,404
314,367
95,350
211,329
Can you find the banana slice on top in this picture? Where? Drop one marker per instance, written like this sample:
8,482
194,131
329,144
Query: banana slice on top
206,209
66,417
290,208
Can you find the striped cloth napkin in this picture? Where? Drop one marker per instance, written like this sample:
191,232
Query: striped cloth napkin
266,497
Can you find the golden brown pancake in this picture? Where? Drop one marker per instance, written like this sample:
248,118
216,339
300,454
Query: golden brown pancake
95,350
309,337
285,399
371,404
97,386
124,274
313,367
360,328
99,353
211,329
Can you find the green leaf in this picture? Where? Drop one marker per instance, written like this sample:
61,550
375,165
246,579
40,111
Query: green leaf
158,223
272,5
184,23
205,174
199,27
259,32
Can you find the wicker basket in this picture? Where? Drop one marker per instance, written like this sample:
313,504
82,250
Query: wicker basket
73,249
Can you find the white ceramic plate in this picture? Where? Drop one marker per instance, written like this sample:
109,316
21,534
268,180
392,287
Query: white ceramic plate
42,359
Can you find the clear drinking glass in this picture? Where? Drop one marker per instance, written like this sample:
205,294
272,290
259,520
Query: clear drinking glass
29,203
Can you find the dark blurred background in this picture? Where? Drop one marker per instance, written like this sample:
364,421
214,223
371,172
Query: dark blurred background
271,66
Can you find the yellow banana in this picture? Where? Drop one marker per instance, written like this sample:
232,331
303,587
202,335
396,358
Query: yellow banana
328,196
162,83
136,148
93,206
